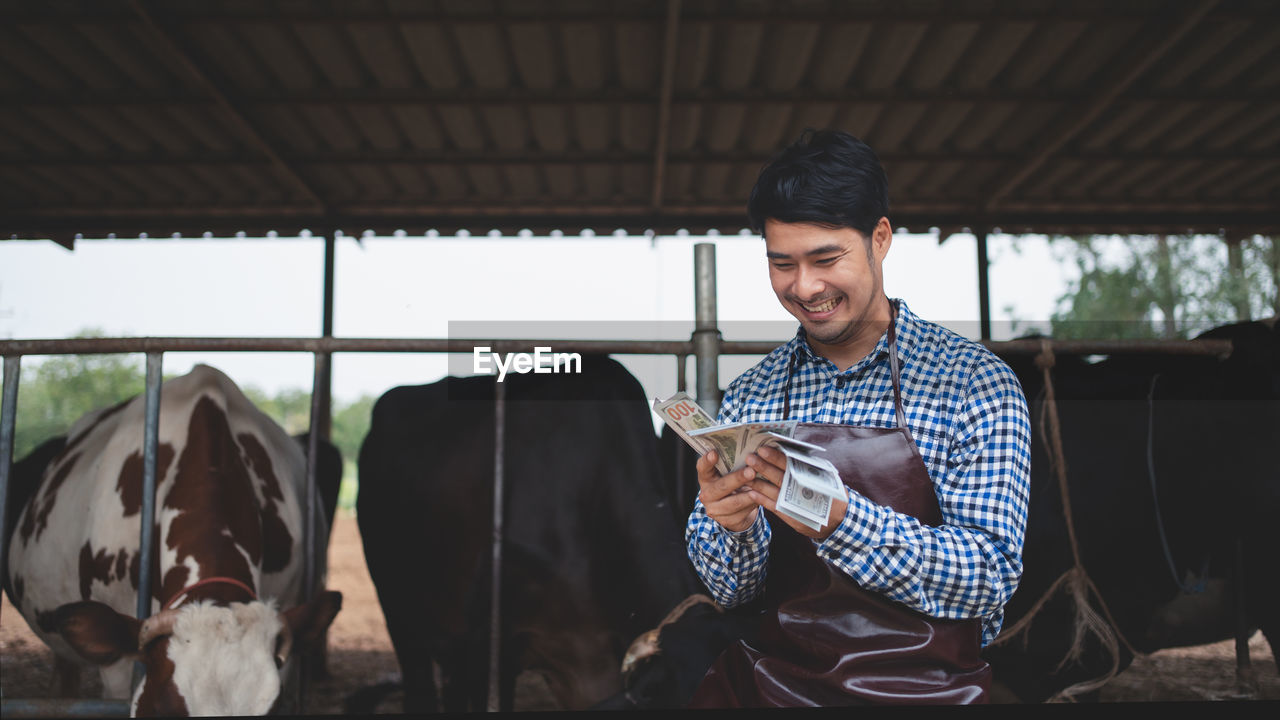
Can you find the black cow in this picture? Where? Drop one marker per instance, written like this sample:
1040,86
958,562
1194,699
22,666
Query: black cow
592,557
1205,504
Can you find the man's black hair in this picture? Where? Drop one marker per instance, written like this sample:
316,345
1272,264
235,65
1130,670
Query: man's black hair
826,177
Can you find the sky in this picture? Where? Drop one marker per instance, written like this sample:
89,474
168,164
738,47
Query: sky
607,287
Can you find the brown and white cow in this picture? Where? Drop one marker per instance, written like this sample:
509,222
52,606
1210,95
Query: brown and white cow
227,598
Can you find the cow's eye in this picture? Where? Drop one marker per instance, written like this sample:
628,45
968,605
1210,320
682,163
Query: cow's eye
279,655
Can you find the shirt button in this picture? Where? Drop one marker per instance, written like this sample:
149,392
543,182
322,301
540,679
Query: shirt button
840,382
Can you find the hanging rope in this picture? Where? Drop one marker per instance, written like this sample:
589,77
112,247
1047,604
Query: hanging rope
1076,581
1189,588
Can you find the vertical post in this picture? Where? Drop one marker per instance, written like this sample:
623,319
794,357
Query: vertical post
495,592
8,423
310,550
984,291
150,445
706,336
325,387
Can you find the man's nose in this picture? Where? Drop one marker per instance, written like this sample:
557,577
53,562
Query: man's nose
809,283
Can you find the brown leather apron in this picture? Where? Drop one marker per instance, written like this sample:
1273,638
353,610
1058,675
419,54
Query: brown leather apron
823,639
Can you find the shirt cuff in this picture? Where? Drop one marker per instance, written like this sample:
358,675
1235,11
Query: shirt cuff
754,535
859,531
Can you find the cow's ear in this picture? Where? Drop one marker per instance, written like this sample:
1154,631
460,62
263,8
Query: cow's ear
309,622
97,632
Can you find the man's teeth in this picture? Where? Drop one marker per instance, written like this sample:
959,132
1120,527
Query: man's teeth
820,308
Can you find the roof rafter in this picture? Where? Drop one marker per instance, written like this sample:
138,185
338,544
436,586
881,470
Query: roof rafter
663,129
169,46
1163,39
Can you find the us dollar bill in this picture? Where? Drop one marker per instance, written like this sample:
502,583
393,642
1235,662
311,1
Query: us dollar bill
801,503
684,416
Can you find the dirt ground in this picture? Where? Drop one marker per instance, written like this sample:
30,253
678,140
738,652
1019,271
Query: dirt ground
360,653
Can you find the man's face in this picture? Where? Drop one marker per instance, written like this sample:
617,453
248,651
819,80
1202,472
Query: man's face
831,280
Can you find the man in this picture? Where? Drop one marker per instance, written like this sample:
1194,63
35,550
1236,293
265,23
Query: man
892,600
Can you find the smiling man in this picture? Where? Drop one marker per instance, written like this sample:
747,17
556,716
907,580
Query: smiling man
893,598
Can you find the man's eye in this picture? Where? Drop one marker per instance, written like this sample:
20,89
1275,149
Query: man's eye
827,261
782,266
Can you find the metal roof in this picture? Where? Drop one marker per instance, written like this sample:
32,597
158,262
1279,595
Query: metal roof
128,117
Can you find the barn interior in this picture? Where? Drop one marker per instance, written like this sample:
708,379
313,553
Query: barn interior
189,118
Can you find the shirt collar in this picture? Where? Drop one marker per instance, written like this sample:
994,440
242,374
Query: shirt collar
906,326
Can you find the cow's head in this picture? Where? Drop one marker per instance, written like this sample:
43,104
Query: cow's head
202,658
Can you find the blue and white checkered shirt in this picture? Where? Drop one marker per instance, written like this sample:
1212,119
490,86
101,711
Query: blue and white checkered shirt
968,415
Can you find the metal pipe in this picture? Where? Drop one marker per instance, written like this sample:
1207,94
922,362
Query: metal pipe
706,336
310,549
325,387
150,445
96,346
984,289
63,708
8,422
495,592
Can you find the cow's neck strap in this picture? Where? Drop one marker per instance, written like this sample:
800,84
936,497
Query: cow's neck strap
216,580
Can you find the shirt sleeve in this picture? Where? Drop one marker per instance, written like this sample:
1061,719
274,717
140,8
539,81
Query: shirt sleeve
732,565
969,566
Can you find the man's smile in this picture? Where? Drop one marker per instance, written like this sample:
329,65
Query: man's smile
822,308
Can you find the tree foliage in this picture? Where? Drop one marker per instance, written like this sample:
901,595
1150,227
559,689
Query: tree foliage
1164,286
56,391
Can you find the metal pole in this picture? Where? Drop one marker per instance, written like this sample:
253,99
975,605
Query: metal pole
706,336
984,291
8,421
325,387
495,593
150,443
310,550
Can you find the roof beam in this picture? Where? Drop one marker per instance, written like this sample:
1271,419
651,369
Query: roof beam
1163,38
167,45
663,130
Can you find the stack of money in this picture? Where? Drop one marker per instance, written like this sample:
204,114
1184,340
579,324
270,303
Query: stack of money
810,481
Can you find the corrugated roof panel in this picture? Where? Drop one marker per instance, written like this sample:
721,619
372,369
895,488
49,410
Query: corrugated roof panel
722,127
858,118
224,54
522,180
693,55
333,54
67,48
598,181
1046,184
594,124
548,125
562,181
1244,182
418,123
462,127
431,46
638,55
1193,132
205,124
506,126
335,126
584,54
333,181
449,181
787,55
534,55
634,179
938,125
989,54
372,181
381,48
1229,66
939,54
285,60
1095,55
887,55
836,54
711,181
1162,117
376,126
636,122
33,62
737,55
1032,122
981,125
1041,52
484,54
485,180
1195,53
895,125
409,181
129,48
765,126
295,132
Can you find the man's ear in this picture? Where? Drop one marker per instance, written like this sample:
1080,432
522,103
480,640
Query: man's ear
97,632
881,239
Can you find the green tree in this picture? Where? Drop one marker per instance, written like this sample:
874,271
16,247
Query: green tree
1164,286
55,392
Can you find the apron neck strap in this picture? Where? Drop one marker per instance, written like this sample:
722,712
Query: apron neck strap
891,340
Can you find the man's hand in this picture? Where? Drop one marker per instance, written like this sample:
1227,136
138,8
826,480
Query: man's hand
766,486
734,510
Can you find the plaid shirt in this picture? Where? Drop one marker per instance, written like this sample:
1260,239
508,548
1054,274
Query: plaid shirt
968,415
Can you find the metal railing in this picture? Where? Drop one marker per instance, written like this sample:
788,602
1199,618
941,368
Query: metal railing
705,345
